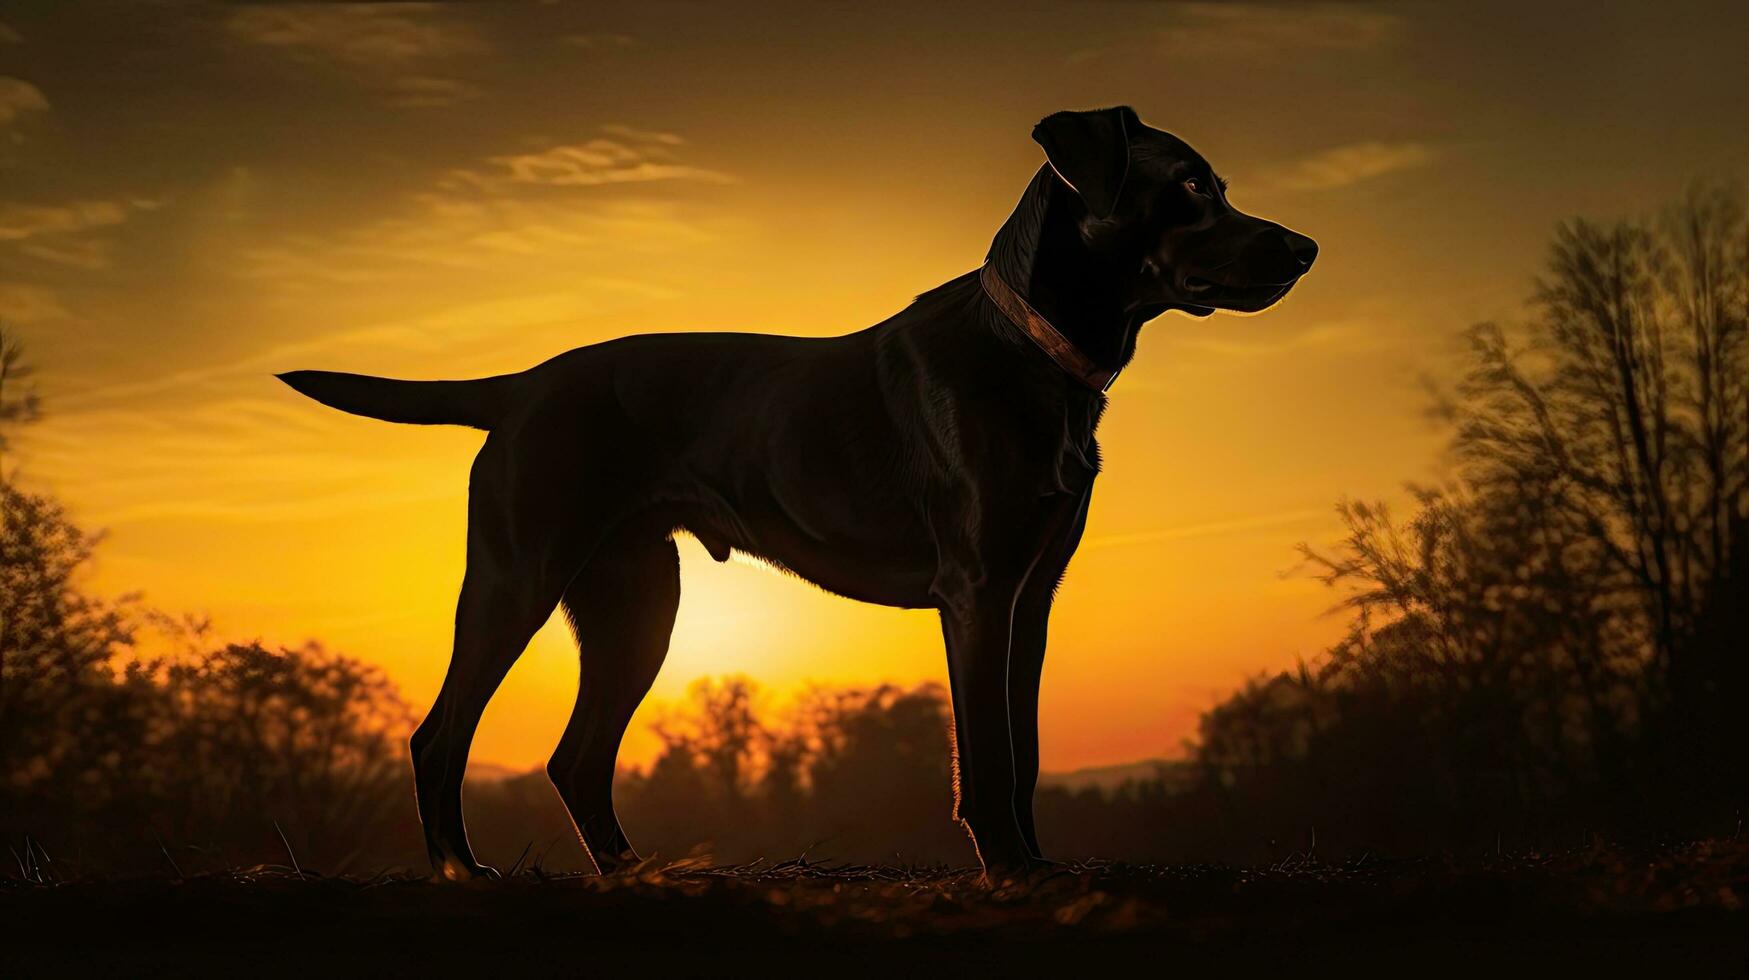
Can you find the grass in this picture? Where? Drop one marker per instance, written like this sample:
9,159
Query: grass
1669,911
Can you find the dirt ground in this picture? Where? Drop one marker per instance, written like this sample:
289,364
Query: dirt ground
1674,911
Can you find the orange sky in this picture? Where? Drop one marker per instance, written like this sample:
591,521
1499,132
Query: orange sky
193,197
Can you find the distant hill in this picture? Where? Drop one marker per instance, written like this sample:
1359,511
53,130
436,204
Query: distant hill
1096,777
1111,777
492,772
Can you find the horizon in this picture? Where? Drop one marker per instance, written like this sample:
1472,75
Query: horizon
450,191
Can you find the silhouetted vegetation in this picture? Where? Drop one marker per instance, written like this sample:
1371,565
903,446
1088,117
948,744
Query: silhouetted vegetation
1551,646
131,739
1554,642
116,758
19,401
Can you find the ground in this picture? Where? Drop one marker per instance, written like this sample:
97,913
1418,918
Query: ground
1670,911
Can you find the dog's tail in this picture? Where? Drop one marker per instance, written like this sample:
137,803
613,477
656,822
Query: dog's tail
479,403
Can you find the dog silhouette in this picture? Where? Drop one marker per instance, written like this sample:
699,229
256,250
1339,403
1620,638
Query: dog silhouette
943,458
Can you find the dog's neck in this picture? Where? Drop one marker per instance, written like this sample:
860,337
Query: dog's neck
1041,254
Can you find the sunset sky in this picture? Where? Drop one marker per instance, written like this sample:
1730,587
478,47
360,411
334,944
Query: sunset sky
196,196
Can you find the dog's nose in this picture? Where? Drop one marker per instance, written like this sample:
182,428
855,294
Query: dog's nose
1304,249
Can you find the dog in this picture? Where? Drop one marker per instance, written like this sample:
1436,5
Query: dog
943,459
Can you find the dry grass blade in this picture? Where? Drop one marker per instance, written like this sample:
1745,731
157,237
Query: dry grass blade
288,850
166,852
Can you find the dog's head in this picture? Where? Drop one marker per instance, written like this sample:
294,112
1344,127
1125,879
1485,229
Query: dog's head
1156,210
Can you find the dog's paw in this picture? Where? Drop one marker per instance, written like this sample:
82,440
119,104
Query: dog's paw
626,862
1027,874
458,869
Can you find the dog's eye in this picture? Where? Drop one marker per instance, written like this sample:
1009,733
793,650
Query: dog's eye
1195,187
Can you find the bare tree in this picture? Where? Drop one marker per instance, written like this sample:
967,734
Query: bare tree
19,402
1628,408
1565,613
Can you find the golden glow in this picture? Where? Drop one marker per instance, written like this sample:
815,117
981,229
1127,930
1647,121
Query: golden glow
463,189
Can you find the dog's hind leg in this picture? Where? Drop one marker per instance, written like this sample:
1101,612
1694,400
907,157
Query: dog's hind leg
510,589
621,607
495,618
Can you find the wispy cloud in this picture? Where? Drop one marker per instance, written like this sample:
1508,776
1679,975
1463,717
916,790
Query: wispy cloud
1231,30
85,253
450,329
159,465
1349,337
21,221
446,231
625,155
26,303
507,208
640,135
398,49
1209,528
19,98
426,91
1341,166
1234,32
207,417
200,453
598,40
65,233
364,35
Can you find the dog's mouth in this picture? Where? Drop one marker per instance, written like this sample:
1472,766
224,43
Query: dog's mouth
1208,295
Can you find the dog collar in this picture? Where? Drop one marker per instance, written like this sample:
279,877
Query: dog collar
1048,338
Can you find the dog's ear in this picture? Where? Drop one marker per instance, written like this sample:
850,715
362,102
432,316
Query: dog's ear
1090,151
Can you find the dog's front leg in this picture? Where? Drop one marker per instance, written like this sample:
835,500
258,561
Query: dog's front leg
1026,661
977,623
1026,664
